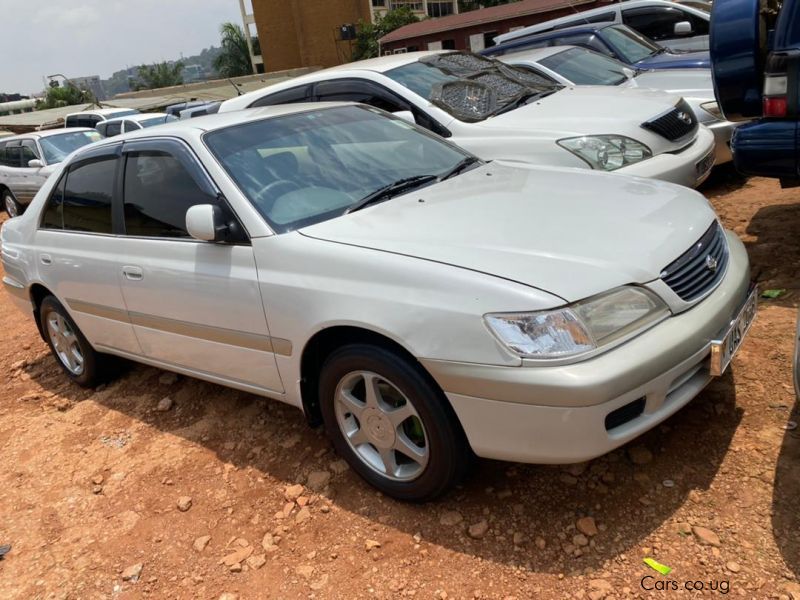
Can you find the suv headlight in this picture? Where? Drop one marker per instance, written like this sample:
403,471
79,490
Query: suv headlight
606,152
581,327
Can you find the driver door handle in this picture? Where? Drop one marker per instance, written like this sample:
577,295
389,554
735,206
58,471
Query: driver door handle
133,273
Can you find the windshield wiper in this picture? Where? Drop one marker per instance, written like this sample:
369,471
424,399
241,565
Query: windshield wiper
459,168
391,190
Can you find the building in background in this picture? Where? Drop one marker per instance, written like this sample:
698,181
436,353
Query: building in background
91,83
422,8
248,20
476,29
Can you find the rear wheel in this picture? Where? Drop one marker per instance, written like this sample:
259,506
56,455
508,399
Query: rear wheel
73,352
391,424
10,204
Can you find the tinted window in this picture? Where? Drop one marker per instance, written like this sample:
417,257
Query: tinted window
630,46
83,121
290,96
13,156
29,152
158,191
359,91
4,156
584,67
52,218
132,126
113,129
87,197
658,23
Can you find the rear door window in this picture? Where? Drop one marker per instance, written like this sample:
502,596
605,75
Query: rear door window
113,129
658,23
291,96
87,196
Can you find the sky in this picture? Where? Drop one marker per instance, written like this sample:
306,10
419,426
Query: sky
97,37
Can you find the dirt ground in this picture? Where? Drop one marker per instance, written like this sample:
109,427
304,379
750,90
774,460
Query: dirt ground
91,482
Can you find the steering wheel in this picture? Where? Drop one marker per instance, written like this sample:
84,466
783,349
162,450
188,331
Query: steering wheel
266,197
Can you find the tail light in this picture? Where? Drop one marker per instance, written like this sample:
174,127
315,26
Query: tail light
777,86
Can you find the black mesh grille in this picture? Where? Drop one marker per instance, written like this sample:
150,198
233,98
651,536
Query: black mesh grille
701,267
678,123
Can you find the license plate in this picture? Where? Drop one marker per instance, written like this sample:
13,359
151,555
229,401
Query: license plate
723,350
704,165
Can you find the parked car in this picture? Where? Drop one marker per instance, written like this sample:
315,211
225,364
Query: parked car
26,161
419,302
499,112
677,26
617,41
130,123
209,108
5,134
90,118
755,79
178,107
571,65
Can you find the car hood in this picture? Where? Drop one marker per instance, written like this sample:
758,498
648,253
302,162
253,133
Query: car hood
677,60
568,232
612,109
682,82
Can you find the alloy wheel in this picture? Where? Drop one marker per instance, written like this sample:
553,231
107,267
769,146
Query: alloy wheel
65,343
10,205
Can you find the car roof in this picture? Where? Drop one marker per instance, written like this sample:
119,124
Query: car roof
45,133
100,111
137,117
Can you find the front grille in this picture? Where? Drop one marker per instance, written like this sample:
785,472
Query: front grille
676,124
701,267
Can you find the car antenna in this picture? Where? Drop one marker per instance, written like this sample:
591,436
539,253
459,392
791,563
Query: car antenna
236,87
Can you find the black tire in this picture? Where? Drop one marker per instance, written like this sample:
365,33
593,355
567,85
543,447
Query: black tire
10,204
92,372
449,454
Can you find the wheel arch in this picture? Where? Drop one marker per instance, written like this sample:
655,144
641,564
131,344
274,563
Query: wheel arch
39,292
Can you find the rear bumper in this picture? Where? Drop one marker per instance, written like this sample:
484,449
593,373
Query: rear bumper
767,149
723,132
680,167
559,414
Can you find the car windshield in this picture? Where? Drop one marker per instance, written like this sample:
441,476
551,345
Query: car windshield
470,87
309,167
631,46
585,67
57,147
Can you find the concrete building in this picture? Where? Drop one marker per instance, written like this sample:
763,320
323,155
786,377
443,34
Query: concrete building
476,29
422,8
91,83
248,22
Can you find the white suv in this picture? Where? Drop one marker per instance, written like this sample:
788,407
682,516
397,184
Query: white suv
497,111
420,303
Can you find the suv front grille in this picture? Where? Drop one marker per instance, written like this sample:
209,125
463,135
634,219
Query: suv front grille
678,123
699,269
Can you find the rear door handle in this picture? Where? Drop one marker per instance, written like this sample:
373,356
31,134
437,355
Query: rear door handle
46,260
133,273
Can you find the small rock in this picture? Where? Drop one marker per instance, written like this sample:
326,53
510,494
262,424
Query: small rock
228,596
540,543
733,566
257,561
132,573
305,571
640,455
268,543
302,516
705,537
236,557
97,479
339,466
293,492
371,545
580,540
577,469
451,518
235,568
568,479
184,503
479,529
586,526
167,378
164,404
518,538
97,489
683,529
200,543
317,480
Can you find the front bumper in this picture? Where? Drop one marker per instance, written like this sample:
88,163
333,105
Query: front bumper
679,167
723,132
558,414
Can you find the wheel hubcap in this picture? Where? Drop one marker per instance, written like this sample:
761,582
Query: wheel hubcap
11,206
65,343
381,426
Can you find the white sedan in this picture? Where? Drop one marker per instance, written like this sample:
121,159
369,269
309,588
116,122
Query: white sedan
571,65
499,112
420,303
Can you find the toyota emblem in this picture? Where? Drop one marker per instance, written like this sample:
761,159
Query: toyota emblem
685,117
711,263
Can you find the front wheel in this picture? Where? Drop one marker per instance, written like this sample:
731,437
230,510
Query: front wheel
391,423
11,206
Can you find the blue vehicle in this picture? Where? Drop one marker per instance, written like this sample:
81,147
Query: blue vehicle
756,71
615,40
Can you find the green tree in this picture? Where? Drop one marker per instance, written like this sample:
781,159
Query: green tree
58,96
159,75
234,60
367,45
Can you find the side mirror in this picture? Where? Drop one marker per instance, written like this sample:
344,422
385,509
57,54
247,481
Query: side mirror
406,115
35,164
683,28
204,223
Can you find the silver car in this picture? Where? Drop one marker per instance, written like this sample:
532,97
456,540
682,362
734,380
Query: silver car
419,302
26,161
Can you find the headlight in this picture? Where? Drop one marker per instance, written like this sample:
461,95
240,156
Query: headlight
607,152
581,327
713,109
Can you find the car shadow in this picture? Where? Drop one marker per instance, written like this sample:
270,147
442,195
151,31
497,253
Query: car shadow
786,495
777,231
531,510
